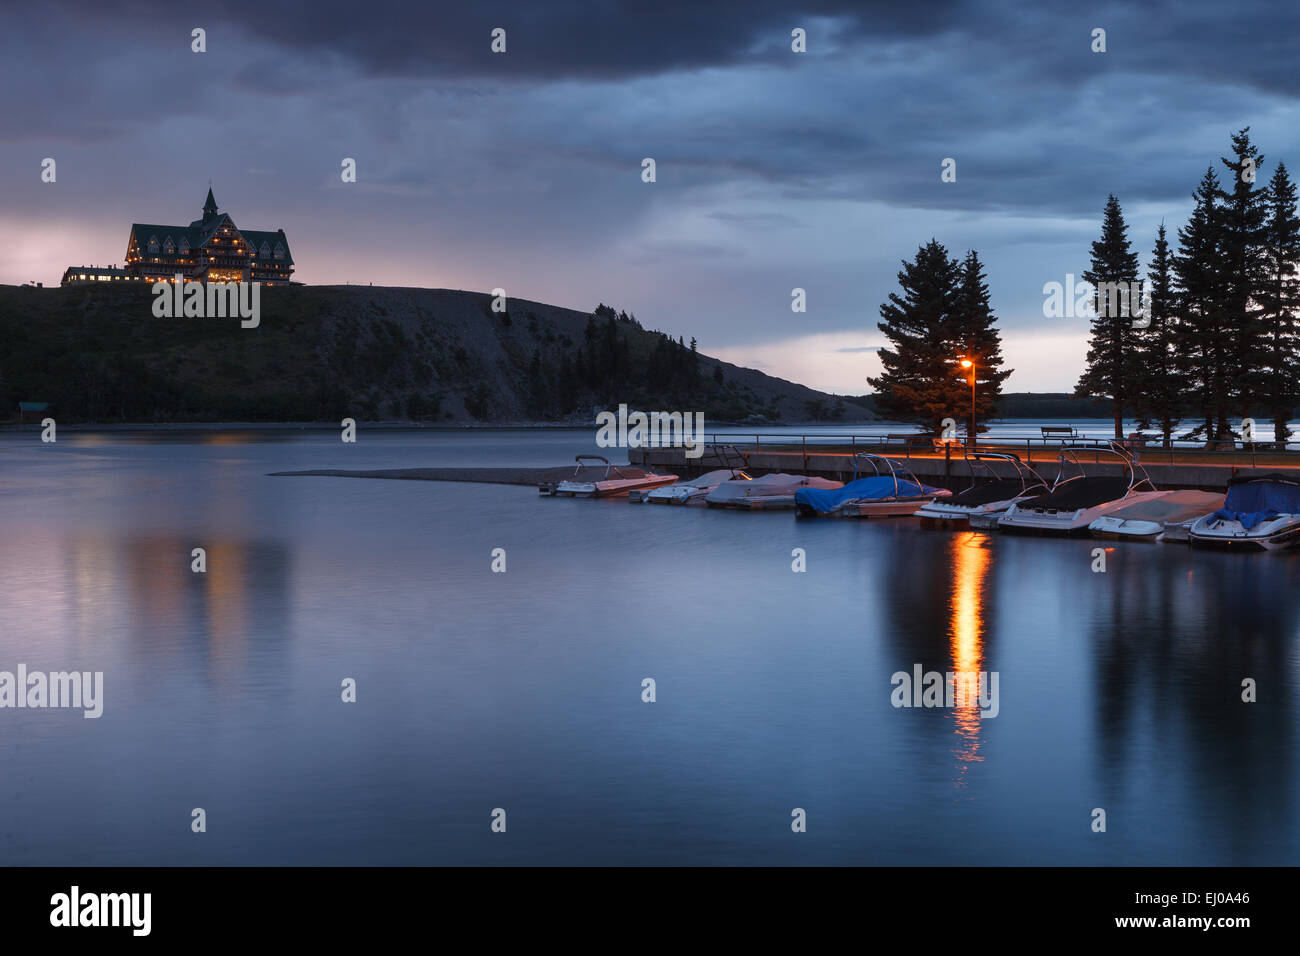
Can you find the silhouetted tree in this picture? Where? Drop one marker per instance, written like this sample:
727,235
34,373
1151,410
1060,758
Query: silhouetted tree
1204,333
1110,371
975,328
919,381
1280,303
1160,383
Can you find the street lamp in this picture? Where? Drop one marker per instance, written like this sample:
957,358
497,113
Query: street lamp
970,431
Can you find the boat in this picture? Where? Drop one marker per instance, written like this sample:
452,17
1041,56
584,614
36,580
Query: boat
615,481
980,505
769,491
890,491
1260,513
690,492
1077,499
1165,517
693,491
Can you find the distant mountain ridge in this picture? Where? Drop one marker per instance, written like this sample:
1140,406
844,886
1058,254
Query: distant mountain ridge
322,353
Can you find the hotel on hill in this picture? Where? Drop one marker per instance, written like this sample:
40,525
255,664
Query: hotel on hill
209,249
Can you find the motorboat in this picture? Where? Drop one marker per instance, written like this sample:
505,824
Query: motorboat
693,491
1165,517
984,499
769,491
1260,513
1076,498
613,482
890,491
690,492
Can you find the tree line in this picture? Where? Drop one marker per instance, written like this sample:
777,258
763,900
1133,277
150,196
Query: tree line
1220,336
1210,336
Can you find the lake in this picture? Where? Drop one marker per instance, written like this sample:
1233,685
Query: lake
522,690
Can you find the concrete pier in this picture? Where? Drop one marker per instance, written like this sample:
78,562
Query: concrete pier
1183,468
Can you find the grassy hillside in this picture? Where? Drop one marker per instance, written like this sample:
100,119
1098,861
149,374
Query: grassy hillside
321,353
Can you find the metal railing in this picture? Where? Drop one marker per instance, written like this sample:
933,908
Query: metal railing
1178,451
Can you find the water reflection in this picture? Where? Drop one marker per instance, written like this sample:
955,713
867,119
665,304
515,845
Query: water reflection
971,560
94,589
939,614
1172,651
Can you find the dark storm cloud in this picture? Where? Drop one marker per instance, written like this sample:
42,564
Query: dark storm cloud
1249,42
887,90
547,40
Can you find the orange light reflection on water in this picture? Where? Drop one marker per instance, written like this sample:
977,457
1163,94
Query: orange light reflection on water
970,562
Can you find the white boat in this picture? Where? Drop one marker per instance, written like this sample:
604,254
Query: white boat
690,492
613,482
980,505
693,491
1160,518
1077,499
890,491
1261,513
769,491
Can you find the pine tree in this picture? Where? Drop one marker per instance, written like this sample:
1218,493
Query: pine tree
975,329
1244,209
1280,303
918,382
1205,337
1160,385
1111,369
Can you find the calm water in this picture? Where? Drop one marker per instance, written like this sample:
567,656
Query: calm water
522,690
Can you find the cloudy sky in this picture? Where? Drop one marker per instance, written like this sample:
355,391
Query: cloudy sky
522,170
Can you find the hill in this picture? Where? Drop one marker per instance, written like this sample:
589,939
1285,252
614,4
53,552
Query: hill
322,353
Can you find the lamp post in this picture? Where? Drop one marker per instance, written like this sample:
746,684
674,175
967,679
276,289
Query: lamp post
970,429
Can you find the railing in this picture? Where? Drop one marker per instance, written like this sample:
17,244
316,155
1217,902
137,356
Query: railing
922,446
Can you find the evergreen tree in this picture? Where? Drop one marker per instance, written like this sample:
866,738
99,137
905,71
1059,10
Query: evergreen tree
1111,370
918,382
1244,210
1161,381
1280,303
1204,335
974,327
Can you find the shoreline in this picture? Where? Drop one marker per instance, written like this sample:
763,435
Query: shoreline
386,426
491,476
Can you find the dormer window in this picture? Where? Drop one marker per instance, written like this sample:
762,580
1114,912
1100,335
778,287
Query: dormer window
266,250
169,247
153,245
279,250
184,246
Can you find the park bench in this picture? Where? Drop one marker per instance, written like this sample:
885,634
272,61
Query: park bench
914,439
1059,431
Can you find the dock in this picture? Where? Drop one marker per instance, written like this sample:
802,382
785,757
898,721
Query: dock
832,456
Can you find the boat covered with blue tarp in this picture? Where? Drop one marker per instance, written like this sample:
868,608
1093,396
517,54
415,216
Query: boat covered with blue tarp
896,493
1252,501
1261,511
